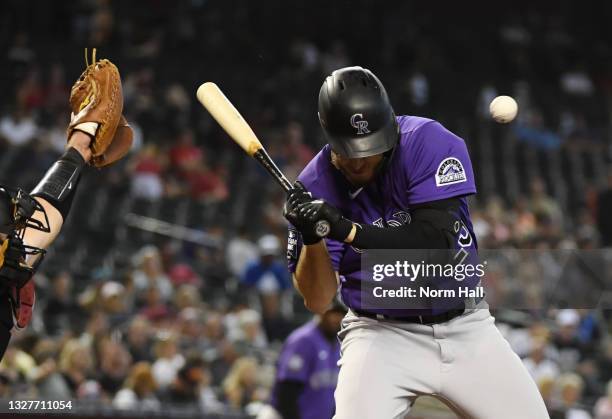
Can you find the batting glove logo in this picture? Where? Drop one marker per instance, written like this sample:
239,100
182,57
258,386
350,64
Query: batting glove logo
322,228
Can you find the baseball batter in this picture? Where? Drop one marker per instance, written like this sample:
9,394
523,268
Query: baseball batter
397,182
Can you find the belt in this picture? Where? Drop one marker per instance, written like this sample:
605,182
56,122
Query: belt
426,319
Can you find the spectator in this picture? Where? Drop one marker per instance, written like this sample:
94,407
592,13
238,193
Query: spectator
112,300
49,381
56,91
184,154
538,365
61,309
138,339
296,153
187,296
5,386
577,82
604,208
138,392
168,360
76,364
186,388
147,169
190,327
603,407
30,94
53,141
18,365
267,274
240,385
569,388
249,337
149,273
543,205
154,308
271,279
566,339
240,252
18,128
226,356
114,364
604,360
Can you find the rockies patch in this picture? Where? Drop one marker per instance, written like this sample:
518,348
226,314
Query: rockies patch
295,363
450,172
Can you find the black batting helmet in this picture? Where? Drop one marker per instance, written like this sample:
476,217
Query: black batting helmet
355,113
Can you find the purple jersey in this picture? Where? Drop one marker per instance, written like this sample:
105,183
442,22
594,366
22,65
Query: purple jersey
428,164
308,357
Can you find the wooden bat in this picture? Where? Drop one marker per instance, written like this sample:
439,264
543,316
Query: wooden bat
222,110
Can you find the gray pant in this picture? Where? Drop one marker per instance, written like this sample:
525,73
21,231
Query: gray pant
386,365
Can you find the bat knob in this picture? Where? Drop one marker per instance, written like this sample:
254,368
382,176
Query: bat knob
322,228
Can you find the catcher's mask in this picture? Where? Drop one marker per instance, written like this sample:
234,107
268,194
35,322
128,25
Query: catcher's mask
16,211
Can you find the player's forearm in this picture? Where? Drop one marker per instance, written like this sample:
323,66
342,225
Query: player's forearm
39,238
315,277
56,204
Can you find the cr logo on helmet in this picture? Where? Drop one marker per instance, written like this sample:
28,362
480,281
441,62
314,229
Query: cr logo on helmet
361,125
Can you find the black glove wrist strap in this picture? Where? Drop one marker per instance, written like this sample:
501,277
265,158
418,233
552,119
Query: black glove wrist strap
340,229
60,182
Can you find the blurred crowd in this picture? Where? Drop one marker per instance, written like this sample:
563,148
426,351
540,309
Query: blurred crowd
154,336
180,325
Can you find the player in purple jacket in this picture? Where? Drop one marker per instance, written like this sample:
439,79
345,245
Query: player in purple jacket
398,182
307,369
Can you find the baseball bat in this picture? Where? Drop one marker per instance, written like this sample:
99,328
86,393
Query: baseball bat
222,110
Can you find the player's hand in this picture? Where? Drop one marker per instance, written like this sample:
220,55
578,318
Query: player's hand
309,213
81,142
296,197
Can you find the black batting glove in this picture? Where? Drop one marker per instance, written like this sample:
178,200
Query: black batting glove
309,213
296,197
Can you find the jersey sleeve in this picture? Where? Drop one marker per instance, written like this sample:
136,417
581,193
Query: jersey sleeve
295,362
437,165
335,250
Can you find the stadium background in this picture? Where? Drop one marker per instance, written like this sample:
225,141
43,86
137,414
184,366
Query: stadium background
121,306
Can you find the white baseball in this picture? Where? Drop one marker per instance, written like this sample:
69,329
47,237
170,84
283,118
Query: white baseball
503,109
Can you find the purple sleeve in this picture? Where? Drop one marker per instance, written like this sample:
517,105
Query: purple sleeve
294,247
295,362
437,165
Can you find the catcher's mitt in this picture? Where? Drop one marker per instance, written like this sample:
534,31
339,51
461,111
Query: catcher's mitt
97,97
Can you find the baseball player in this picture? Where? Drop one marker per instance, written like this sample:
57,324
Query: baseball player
98,135
307,370
397,182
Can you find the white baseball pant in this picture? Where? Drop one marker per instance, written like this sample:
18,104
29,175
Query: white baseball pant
386,365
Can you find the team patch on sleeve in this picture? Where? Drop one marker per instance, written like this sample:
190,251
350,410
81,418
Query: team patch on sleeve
292,244
450,172
295,363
